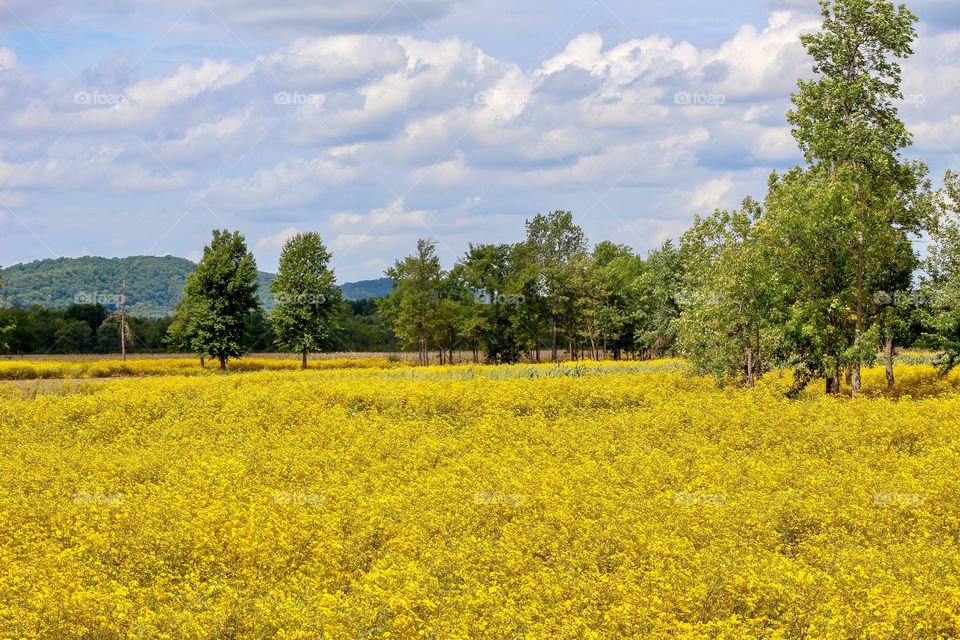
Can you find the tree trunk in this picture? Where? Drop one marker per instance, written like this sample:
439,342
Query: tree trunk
553,350
303,362
888,359
203,362
833,383
223,363
536,340
858,324
748,352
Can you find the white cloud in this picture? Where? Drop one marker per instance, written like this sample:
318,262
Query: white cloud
710,195
291,182
656,127
392,219
274,243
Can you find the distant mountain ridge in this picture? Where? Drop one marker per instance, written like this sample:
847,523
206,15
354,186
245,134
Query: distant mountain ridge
154,283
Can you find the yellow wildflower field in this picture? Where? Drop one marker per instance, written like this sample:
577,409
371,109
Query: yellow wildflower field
581,501
106,368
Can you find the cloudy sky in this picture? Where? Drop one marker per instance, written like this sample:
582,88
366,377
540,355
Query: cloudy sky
136,127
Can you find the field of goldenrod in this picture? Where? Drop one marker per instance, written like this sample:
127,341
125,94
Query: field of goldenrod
113,368
581,501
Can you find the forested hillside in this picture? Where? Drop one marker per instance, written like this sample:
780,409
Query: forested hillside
154,284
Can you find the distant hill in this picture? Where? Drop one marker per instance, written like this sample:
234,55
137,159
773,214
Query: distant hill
154,283
366,289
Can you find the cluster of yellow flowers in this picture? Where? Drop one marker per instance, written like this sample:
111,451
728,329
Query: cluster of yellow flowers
27,369
576,501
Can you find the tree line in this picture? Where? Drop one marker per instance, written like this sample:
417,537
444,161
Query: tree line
93,328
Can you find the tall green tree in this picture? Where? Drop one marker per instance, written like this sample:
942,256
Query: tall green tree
307,296
555,242
219,297
413,303
730,312
531,316
487,271
618,285
845,119
660,293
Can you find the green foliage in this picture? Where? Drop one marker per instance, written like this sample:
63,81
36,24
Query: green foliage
730,322
511,301
659,290
306,296
493,296
219,297
41,330
846,115
363,329
556,245
414,301
943,269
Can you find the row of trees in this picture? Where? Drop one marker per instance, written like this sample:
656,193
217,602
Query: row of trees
212,317
549,292
80,328
94,328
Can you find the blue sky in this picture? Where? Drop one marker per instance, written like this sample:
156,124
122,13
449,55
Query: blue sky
136,127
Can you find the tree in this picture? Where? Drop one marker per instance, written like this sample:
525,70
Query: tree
618,276
814,257
307,295
118,319
554,241
524,284
730,312
943,268
659,294
846,120
486,271
75,336
412,304
449,315
219,296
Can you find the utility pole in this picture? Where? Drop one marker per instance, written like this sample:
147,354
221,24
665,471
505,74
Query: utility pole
121,311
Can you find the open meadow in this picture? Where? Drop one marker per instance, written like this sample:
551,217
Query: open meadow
378,500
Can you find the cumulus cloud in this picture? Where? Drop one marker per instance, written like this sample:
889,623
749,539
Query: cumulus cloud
290,182
274,243
378,138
